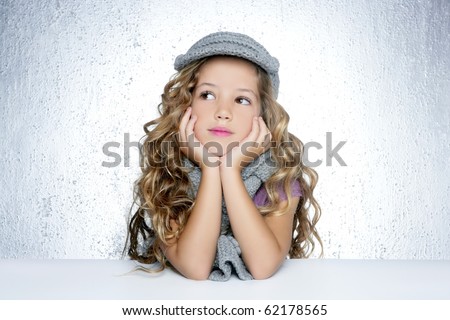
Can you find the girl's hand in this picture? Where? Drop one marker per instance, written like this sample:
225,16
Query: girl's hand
191,146
257,142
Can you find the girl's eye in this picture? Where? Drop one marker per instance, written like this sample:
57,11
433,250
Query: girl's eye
243,101
207,95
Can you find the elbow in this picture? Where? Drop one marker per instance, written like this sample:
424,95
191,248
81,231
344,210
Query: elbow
263,272
196,272
193,268
266,269
197,275
198,278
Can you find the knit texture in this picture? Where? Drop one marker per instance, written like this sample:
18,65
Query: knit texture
232,44
228,255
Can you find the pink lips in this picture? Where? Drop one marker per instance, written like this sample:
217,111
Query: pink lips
220,131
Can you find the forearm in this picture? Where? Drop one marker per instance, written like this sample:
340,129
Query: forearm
194,252
261,250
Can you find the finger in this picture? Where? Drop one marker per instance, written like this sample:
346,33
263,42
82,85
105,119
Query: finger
190,125
195,147
262,130
183,123
254,132
184,144
264,136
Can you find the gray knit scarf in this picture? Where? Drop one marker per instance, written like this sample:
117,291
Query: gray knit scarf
228,253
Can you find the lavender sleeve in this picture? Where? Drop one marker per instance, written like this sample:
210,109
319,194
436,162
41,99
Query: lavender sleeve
261,197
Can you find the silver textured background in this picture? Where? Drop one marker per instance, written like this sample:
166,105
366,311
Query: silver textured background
78,74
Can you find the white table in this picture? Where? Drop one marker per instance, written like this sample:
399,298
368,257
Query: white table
296,280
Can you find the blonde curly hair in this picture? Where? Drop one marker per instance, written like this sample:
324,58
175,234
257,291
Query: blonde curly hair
161,192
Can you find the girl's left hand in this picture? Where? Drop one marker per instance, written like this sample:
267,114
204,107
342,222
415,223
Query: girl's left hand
256,143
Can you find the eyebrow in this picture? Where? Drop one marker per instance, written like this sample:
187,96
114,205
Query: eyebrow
206,84
247,90
239,89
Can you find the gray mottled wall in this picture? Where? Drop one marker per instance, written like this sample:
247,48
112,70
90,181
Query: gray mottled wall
75,75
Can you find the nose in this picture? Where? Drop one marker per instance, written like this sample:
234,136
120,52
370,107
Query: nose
223,113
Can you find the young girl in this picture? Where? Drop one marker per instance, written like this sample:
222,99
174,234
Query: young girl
223,187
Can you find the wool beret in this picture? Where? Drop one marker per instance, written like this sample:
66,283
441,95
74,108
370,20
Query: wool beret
232,44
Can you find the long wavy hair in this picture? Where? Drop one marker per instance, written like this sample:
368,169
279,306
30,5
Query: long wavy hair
161,192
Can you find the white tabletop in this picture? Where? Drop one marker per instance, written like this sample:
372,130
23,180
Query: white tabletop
297,279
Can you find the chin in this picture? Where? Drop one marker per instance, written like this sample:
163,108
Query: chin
216,151
216,154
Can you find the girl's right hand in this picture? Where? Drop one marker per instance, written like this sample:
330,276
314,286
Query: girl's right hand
191,146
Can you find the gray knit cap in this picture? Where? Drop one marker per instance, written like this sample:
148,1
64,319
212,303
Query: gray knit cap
232,44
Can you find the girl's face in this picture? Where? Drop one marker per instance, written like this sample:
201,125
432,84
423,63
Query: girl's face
225,101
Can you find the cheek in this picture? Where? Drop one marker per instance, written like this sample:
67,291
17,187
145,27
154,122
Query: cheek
194,112
248,128
199,129
200,111
247,122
